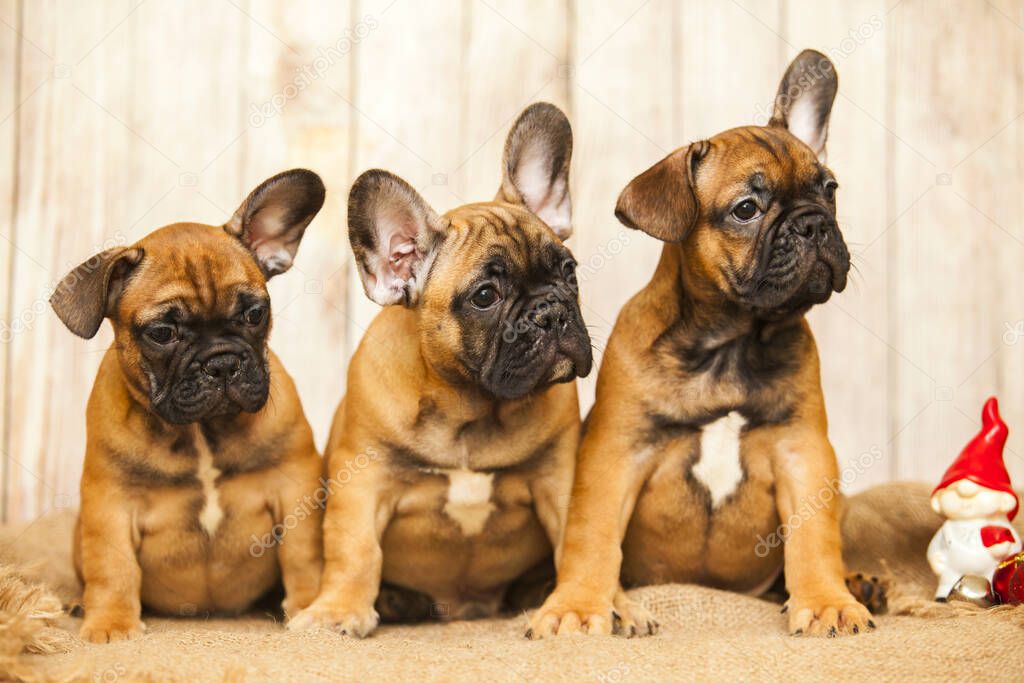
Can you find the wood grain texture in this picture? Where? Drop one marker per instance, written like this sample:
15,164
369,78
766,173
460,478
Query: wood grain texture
517,53
853,35
297,89
101,164
10,44
720,88
1000,207
133,115
69,151
955,246
622,125
408,93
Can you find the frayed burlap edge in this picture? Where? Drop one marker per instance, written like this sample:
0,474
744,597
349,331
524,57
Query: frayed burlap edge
27,614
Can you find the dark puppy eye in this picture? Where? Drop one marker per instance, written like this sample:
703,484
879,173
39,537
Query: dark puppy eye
830,189
161,334
745,210
255,315
485,297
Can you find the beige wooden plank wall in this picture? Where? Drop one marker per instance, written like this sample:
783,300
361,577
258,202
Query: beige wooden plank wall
119,116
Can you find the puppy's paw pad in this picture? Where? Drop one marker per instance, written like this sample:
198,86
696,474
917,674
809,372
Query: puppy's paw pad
870,591
358,624
828,617
111,630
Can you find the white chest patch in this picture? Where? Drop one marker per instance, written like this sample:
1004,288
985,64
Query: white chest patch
211,514
469,499
719,467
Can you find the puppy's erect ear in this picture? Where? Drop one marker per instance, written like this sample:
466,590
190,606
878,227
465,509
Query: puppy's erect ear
662,201
395,236
535,168
273,218
89,293
804,101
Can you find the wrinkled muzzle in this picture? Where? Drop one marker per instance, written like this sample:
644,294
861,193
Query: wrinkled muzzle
545,343
220,380
802,260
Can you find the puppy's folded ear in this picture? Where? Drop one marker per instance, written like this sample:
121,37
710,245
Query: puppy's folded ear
273,218
89,293
662,201
804,101
535,167
395,236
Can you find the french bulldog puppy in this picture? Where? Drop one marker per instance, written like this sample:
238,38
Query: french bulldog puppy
460,424
196,440
709,430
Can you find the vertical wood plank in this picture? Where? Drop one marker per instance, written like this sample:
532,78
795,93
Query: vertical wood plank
852,329
955,242
728,61
296,93
408,85
624,121
517,53
10,45
127,133
1004,205
67,146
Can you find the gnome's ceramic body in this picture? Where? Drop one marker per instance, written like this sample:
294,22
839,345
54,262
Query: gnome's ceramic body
978,502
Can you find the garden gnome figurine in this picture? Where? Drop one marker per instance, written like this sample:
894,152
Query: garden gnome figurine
978,503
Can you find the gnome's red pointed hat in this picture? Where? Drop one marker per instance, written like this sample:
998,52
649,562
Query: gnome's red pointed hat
981,460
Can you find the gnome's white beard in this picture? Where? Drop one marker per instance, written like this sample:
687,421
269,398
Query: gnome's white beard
983,503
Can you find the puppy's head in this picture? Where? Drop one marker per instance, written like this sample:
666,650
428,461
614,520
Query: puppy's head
755,207
189,302
495,286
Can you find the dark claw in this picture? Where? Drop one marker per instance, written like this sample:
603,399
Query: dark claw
856,629
785,608
529,634
798,632
871,624
832,633
632,632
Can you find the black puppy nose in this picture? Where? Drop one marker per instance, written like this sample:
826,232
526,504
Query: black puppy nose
222,366
544,316
812,226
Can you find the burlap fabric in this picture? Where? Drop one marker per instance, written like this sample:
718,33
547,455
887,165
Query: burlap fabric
706,634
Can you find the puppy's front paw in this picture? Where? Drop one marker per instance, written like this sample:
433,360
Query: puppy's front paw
110,627
566,612
870,591
632,619
348,622
297,601
829,616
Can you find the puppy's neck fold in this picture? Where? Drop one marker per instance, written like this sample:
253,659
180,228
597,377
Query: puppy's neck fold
705,312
